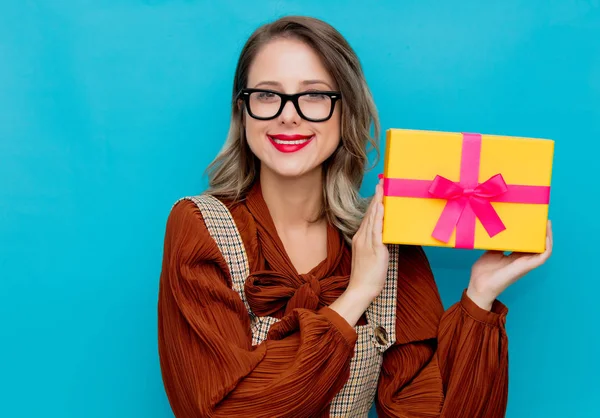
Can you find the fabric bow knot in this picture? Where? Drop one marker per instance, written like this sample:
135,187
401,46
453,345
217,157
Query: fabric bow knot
459,197
268,291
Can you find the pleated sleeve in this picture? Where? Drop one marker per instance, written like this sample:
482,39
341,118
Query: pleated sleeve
209,366
450,364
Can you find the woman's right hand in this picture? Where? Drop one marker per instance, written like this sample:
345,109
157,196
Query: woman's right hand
370,258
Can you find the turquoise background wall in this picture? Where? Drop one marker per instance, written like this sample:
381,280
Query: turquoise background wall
110,111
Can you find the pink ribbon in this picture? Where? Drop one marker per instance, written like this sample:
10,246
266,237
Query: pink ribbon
467,200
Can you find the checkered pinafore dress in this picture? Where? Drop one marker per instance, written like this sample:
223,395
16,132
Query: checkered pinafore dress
356,397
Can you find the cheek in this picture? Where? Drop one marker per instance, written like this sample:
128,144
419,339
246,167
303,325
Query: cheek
255,132
332,131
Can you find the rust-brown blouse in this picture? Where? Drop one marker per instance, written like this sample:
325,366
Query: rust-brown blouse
450,364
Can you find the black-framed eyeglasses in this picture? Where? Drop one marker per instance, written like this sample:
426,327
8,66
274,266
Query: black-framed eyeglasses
314,106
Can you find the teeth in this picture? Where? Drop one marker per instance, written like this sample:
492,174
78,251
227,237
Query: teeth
301,141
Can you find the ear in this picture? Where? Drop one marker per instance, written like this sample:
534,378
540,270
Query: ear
240,106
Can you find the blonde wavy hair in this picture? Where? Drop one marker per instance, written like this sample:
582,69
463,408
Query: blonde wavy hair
235,168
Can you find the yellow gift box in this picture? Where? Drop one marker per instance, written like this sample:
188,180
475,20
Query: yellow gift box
466,190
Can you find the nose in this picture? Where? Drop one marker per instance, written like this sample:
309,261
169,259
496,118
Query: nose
289,115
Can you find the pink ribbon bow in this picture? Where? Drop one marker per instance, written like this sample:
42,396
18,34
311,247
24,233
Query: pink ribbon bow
459,198
467,200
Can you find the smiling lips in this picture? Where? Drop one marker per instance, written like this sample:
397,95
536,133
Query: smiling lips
290,143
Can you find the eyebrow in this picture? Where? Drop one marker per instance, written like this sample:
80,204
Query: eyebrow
304,83
309,82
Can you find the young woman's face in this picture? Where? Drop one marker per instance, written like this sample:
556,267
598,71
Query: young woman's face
289,145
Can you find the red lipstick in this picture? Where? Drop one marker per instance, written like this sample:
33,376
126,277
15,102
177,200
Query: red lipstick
289,143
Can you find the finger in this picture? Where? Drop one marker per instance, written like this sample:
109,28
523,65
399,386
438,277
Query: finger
364,225
367,213
377,232
543,257
377,226
549,241
550,236
523,263
539,259
520,264
519,256
505,260
369,225
377,199
361,227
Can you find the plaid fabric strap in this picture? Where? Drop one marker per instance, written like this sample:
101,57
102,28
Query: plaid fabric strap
381,314
223,230
357,396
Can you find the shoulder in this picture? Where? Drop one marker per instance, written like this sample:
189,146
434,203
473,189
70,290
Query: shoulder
184,210
191,211
187,225
187,238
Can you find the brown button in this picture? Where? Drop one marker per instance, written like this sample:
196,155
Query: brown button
381,335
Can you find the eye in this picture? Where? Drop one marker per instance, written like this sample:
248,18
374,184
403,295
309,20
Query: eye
266,95
316,96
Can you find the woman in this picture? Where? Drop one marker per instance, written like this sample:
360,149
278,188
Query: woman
277,296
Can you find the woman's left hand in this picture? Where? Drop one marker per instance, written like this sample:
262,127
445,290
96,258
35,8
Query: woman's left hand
494,272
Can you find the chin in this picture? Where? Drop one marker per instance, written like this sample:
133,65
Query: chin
291,173
292,170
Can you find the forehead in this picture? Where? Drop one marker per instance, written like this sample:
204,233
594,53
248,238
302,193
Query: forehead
288,62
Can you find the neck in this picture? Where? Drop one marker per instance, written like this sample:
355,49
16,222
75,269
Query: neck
292,202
